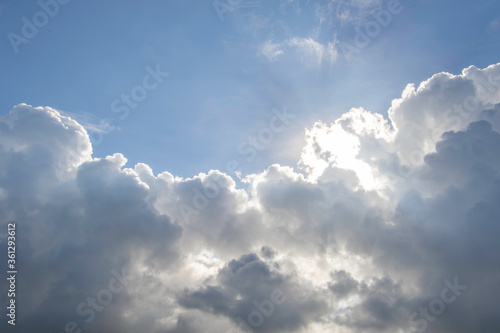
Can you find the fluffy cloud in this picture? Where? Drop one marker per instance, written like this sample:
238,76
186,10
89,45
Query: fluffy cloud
257,295
386,225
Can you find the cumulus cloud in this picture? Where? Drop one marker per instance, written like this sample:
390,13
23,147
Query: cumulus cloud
257,295
385,225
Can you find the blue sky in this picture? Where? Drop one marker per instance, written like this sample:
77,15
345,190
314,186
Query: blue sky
367,133
221,88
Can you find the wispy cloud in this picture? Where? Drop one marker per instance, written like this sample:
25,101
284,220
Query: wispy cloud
308,50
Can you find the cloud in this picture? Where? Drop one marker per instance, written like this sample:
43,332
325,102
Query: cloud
379,216
308,50
271,50
416,123
78,218
257,296
346,12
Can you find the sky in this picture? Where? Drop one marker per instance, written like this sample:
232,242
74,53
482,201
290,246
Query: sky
253,166
221,87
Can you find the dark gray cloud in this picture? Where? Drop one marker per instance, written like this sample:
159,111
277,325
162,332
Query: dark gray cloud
257,296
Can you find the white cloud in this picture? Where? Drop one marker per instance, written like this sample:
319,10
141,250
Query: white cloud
356,242
307,49
271,50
